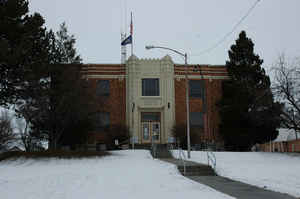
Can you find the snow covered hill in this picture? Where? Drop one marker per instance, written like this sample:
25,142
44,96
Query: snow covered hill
125,174
274,171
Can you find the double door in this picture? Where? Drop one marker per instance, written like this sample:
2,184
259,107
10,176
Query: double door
151,132
150,123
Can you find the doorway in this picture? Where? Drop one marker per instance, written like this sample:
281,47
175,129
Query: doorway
150,123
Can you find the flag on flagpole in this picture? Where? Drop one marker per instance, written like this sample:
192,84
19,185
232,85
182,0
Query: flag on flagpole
126,41
131,34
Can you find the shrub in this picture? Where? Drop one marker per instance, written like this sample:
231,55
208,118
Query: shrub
118,132
180,133
52,154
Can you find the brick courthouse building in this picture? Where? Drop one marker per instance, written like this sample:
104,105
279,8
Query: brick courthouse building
148,95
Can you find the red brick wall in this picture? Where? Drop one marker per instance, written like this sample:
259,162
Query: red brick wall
180,107
115,104
296,144
281,146
275,147
213,93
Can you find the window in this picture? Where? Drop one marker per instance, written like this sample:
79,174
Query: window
197,88
102,88
150,87
102,120
196,119
146,117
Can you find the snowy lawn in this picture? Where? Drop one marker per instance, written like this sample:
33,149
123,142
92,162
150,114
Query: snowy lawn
274,171
125,174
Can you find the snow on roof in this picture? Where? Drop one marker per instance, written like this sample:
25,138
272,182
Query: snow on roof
16,144
292,136
286,135
15,148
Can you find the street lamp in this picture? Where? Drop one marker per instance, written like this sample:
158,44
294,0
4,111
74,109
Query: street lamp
186,96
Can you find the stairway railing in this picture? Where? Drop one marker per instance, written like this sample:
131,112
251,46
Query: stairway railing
211,160
154,150
182,157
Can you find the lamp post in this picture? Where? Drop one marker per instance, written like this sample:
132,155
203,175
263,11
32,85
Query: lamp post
186,96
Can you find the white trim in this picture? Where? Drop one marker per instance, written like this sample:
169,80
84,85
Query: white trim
201,77
102,64
104,71
175,76
207,71
159,107
105,76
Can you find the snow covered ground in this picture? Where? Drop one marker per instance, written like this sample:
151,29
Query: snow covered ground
274,171
125,174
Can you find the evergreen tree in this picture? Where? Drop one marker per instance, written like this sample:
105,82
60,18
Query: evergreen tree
66,46
23,47
33,74
63,111
247,109
61,104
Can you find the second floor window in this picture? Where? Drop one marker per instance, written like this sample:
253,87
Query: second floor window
150,87
197,88
102,88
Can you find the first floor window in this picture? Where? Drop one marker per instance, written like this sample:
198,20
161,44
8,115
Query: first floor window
196,119
102,120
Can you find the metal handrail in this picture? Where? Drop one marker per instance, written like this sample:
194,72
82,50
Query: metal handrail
154,150
181,156
183,159
211,160
170,147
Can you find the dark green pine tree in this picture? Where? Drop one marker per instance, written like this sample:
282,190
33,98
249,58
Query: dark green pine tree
23,47
248,112
66,46
62,122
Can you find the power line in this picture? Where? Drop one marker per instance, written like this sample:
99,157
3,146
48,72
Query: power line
229,33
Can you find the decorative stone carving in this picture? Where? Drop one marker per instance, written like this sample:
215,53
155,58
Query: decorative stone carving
151,102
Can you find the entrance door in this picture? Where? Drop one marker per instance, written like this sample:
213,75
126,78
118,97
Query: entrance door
150,127
151,132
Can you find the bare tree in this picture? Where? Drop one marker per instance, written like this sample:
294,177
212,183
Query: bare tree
6,130
287,90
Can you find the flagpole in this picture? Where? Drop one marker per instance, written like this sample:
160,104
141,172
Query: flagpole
131,32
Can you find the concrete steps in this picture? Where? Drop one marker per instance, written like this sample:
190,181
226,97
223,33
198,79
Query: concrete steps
200,170
192,168
161,151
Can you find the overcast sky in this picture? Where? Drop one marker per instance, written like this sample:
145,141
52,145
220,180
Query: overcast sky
186,25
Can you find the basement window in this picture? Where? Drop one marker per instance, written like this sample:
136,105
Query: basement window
102,120
197,119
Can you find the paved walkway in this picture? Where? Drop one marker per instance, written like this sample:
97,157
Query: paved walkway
230,187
